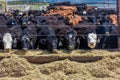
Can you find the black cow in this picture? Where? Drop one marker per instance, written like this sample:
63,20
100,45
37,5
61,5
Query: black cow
47,38
50,20
106,35
67,3
28,38
67,37
11,22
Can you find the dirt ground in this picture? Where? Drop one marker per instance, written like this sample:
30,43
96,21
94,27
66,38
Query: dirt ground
13,67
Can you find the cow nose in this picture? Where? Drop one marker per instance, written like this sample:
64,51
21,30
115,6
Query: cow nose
70,47
25,49
92,44
54,51
107,34
7,50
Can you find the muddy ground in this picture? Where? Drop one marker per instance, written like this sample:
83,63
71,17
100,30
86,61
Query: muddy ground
14,65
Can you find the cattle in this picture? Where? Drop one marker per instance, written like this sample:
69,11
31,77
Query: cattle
108,38
87,35
67,3
8,37
3,20
15,32
113,19
66,12
47,38
67,37
3,29
11,22
50,20
34,12
27,21
73,19
7,41
28,38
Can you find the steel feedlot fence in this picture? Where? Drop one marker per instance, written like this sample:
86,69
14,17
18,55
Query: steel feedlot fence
107,5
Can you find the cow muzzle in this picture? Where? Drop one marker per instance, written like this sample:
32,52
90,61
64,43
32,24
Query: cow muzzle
7,47
54,51
25,49
107,34
7,50
70,47
91,45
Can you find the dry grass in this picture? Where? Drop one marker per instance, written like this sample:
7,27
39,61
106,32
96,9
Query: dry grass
15,68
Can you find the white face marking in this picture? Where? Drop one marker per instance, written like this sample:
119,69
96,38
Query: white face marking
21,13
92,40
25,37
7,41
96,8
84,12
70,36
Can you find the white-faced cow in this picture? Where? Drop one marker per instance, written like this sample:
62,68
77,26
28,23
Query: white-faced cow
87,36
7,41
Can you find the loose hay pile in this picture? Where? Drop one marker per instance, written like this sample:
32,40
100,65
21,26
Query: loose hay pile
105,69
15,67
108,68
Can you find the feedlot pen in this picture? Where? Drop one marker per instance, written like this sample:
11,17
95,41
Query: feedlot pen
63,64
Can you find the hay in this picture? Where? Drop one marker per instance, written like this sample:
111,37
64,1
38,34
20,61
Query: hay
15,67
65,66
108,68
59,76
105,68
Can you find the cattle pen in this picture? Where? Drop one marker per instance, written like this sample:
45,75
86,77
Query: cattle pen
111,7
65,30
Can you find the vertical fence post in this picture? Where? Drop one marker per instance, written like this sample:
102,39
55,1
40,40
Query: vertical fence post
118,15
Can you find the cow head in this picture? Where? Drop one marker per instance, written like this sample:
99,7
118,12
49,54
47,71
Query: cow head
25,20
7,41
48,38
52,43
25,42
108,28
70,38
91,38
51,40
84,12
